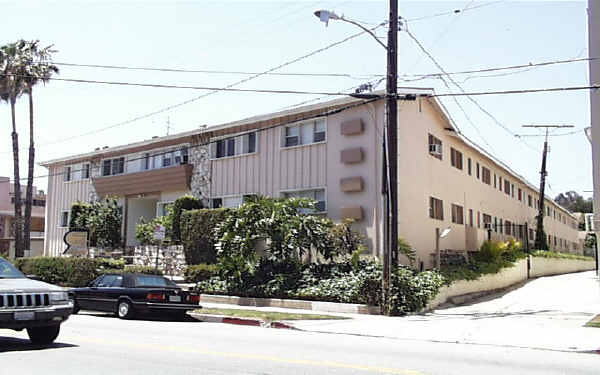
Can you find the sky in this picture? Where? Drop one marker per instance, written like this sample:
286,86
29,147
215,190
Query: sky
250,36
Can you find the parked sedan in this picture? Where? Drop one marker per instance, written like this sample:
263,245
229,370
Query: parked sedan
130,293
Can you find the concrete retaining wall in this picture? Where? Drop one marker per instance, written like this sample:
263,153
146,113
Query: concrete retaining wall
465,290
552,266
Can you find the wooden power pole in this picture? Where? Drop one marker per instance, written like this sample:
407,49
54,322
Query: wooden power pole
540,235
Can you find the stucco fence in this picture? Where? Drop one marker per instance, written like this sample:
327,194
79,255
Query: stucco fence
465,290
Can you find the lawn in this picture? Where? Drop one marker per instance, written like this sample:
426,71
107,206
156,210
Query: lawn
268,316
594,322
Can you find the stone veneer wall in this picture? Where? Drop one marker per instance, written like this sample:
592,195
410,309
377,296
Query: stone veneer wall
201,176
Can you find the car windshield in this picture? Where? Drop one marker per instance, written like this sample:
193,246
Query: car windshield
8,271
147,280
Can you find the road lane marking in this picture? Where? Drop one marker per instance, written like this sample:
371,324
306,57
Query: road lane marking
185,349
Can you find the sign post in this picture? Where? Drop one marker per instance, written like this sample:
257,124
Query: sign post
158,235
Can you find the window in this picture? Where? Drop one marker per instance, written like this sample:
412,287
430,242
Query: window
67,174
478,220
436,208
547,211
469,166
457,214
495,224
113,166
512,189
435,147
477,170
314,194
39,202
64,219
529,200
232,146
304,134
456,158
531,234
520,195
508,226
85,171
486,176
554,240
507,187
501,227
470,217
499,183
495,184
487,221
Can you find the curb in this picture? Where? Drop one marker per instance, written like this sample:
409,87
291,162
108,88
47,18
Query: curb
240,321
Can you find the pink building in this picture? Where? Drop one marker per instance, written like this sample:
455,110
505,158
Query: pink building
7,214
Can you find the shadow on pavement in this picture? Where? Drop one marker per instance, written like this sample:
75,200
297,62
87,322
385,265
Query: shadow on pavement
145,317
12,344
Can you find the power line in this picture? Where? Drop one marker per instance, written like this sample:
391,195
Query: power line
237,83
163,86
305,118
523,91
454,11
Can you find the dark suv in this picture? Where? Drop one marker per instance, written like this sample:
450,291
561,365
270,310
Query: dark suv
33,305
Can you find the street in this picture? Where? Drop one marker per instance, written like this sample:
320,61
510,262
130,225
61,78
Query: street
101,344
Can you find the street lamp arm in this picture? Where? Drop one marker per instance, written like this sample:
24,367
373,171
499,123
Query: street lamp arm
365,29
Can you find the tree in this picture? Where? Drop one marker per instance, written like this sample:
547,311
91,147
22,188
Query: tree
12,87
574,202
37,69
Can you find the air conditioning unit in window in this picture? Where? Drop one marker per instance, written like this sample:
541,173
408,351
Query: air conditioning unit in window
435,149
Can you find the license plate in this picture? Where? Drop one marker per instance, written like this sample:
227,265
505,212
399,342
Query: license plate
174,298
24,315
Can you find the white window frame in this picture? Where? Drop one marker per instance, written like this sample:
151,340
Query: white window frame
238,141
299,125
283,193
162,204
68,173
87,166
111,166
60,224
242,198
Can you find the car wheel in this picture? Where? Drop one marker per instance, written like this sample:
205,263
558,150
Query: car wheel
43,335
76,308
125,310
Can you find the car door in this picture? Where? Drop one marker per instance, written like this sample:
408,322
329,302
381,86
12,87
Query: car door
112,292
103,293
86,297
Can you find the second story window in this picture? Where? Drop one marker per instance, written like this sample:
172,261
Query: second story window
314,194
113,166
67,174
436,208
507,187
232,146
435,147
486,176
457,214
456,158
304,134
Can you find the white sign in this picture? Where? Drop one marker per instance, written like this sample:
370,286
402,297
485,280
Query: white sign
159,232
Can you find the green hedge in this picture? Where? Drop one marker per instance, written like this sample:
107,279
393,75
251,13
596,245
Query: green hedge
557,255
181,204
200,272
75,272
197,234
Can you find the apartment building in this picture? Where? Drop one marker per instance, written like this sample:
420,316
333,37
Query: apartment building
7,215
330,152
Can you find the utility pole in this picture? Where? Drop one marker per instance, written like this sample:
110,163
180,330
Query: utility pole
390,252
540,236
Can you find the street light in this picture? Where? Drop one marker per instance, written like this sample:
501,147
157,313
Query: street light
389,184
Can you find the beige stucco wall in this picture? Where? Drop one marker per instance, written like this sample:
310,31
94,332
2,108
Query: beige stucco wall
422,176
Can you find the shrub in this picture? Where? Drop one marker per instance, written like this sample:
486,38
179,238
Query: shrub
102,219
198,234
200,272
62,271
490,251
557,255
144,231
345,239
148,270
187,202
406,249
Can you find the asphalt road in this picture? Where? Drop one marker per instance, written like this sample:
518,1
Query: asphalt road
101,344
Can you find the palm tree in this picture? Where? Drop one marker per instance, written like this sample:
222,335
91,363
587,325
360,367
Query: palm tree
11,88
37,69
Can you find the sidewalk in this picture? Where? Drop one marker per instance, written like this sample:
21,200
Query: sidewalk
546,313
